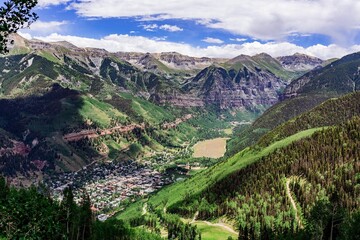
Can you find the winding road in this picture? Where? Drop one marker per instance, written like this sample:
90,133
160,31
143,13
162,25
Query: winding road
222,225
298,220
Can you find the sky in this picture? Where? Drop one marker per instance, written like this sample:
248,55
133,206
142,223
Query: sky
203,28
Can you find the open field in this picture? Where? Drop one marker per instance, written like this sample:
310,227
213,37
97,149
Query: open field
211,232
213,148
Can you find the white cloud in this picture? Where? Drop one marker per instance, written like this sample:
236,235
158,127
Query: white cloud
45,28
25,35
46,3
165,27
159,38
41,26
171,28
128,43
254,18
213,40
239,39
150,27
295,34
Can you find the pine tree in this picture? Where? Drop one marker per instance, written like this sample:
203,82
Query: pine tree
70,209
86,218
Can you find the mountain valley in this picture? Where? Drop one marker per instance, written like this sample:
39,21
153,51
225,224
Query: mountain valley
116,131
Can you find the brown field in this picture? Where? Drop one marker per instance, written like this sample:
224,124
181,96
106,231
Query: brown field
213,148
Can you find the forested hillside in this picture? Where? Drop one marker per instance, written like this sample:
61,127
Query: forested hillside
307,189
301,95
331,112
65,107
32,214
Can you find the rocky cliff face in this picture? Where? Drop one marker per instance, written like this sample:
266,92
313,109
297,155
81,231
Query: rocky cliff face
183,62
164,78
300,62
242,89
337,78
167,61
243,82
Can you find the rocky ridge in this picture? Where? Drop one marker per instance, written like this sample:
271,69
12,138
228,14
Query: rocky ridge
300,62
243,82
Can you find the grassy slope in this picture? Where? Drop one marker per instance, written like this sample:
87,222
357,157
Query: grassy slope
245,136
74,111
213,232
334,80
195,185
149,111
262,61
331,112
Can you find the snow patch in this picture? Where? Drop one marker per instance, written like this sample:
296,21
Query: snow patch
30,62
114,65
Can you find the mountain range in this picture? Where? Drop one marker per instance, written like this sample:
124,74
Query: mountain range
291,168
36,78
164,78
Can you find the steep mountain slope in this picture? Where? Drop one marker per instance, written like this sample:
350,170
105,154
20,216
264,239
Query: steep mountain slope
243,82
300,62
261,61
164,78
338,78
242,89
315,168
168,62
331,112
252,188
92,70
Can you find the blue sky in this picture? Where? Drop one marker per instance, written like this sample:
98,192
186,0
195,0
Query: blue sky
227,28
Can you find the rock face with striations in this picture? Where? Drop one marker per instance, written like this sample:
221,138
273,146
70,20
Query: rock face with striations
300,62
167,61
237,89
337,78
244,82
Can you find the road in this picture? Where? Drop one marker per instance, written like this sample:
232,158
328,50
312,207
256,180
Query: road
222,225
298,220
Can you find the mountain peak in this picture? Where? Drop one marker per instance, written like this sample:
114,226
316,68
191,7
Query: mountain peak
300,62
65,44
18,40
240,58
263,55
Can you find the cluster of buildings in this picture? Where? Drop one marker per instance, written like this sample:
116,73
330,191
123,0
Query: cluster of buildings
109,184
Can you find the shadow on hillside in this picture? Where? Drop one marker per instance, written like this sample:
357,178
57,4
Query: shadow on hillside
39,114
38,123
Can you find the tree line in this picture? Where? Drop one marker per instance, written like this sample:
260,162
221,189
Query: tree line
322,169
33,214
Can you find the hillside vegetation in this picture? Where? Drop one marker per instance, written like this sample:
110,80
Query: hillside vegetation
302,94
330,112
320,172
66,112
194,186
31,214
